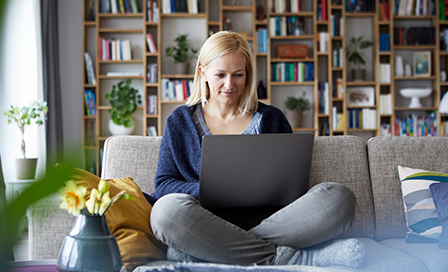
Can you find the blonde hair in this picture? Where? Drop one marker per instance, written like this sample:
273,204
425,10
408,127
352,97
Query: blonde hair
215,46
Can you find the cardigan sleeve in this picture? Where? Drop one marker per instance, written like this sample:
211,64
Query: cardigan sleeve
179,159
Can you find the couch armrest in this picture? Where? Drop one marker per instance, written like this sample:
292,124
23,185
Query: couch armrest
47,227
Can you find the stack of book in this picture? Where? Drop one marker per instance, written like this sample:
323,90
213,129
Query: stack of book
173,6
176,90
90,72
114,49
292,71
151,108
119,6
324,98
90,102
152,11
262,39
416,125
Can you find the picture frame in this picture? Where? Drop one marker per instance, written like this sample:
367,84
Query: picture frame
361,96
422,63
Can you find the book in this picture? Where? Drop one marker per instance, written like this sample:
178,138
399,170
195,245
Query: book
91,78
151,45
152,131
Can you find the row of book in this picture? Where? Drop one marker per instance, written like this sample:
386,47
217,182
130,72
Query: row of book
416,7
292,71
323,41
151,73
444,40
338,57
364,118
173,6
338,120
322,10
336,26
114,49
360,6
323,93
90,102
152,103
176,90
282,6
338,88
152,11
90,72
414,36
286,26
119,6
262,40
416,125
152,131
151,44
384,11
385,73
385,105
385,42
443,10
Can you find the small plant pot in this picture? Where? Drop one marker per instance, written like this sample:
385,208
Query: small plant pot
359,75
26,168
294,118
182,68
120,130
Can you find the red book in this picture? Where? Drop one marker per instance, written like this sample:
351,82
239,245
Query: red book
184,88
324,10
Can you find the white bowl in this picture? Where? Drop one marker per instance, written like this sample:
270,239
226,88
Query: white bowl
415,94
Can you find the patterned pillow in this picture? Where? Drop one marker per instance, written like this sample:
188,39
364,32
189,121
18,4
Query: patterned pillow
439,193
421,215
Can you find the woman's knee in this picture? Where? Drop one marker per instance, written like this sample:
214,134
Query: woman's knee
167,208
339,196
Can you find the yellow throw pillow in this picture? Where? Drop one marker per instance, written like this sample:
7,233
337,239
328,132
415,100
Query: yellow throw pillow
129,221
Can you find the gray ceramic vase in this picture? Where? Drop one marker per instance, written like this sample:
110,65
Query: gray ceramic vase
90,246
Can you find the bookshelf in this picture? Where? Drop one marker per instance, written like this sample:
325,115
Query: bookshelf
323,27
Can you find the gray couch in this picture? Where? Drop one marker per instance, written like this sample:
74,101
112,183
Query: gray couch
369,169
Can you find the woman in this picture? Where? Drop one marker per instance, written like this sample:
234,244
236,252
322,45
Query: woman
224,101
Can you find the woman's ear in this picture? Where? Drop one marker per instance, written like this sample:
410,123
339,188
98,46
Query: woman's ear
202,73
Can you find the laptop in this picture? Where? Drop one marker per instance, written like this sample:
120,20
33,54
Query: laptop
254,170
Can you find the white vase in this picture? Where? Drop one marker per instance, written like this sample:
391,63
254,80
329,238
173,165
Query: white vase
399,69
408,70
26,168
120,130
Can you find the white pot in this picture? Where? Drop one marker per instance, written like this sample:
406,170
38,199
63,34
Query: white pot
120,130
26,168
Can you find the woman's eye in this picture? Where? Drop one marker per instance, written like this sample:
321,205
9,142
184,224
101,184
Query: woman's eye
239,75
220,75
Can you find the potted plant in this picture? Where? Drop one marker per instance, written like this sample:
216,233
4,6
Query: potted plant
356,56
182,53
23,117
124,101
294,109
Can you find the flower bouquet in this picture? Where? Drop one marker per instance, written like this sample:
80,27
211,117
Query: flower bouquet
90,246
73,199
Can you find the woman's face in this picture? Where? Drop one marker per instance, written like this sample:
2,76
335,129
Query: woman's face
226,77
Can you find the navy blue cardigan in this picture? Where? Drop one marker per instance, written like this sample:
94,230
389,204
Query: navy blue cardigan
178,169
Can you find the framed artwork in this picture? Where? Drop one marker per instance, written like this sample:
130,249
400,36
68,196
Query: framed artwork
422,64
360,96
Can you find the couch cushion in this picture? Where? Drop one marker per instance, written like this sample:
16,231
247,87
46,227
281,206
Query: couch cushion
421,215
343,159
382,258
439,192
434,259
129,221
385,154
132,156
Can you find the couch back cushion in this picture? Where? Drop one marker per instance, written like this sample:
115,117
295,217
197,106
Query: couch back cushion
385,154
343,159
132,156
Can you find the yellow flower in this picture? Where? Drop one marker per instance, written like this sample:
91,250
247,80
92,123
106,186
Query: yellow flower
98,202
72,198
103,186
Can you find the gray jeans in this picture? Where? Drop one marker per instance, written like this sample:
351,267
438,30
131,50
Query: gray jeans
325,212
